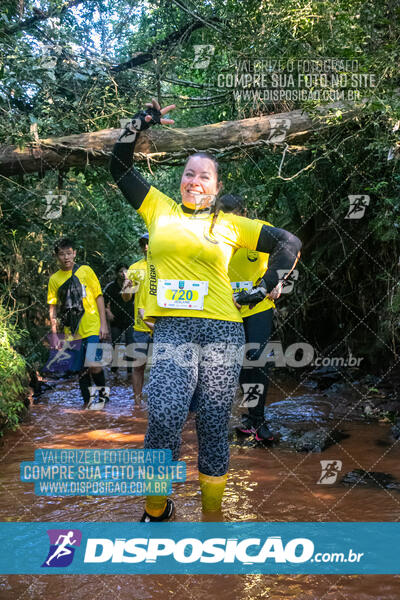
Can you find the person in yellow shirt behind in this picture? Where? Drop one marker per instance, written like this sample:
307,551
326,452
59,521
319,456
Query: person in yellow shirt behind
86,319
141,331
245,269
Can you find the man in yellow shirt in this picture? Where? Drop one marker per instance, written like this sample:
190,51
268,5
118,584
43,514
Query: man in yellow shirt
137,274
90,325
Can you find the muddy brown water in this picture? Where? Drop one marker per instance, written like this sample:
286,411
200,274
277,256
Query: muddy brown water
264,485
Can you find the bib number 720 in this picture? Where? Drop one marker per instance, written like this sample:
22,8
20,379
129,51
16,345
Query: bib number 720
182,295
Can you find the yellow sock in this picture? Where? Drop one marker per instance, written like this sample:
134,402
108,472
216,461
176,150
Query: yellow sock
212,490
155,505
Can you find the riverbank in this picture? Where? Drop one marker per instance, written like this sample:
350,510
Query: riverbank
14,377
265,484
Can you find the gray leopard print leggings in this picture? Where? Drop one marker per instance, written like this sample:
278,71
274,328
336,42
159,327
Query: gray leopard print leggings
201,358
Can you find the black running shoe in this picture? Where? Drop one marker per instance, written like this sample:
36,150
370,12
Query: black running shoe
247,425
166,515
262,433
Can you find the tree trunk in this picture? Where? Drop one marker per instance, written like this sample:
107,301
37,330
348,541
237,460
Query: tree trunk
95,148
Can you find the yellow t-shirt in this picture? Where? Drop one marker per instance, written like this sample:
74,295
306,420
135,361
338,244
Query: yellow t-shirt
181,249
137,274
90,322
249,265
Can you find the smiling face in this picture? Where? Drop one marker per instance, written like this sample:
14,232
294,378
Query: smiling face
66,258
199,183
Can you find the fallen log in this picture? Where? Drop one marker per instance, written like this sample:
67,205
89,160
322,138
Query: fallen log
80,150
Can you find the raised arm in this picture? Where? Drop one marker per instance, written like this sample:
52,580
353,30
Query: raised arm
129,180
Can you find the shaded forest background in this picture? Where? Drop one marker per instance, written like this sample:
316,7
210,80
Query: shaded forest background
79,66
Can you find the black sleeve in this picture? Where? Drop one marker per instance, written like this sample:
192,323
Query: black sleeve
283,248
129,180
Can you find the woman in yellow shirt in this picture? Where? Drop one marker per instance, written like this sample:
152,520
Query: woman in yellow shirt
198,334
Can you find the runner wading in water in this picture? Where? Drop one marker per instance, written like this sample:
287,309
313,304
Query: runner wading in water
119,311
245,269
89,322
191,298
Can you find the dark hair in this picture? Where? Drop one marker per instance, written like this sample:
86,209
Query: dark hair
63,244
121,266
205,155
232,203
144,239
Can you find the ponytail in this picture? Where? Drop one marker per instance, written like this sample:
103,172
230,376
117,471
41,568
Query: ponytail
217,209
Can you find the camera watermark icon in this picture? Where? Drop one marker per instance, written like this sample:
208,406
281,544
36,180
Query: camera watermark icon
330,469
204,204
287,282
131,127
98,397
49,56
357,207
202,55
55,203
279,129
252,393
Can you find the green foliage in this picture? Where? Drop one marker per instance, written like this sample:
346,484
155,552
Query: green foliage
13,380
58,75
104,229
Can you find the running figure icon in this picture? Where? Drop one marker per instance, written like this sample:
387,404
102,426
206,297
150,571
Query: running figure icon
63,544
330,471
251,394
61,354
62,549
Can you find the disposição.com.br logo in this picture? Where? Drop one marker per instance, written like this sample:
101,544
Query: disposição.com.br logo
62,547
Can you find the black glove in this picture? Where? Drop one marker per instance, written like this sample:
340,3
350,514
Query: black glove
253,296
139,123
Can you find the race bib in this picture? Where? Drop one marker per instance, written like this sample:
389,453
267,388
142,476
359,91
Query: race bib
185,294
239,286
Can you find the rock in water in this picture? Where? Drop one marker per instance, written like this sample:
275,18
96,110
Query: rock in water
301,423
299,409
315,440
370,479
325,376
396,430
